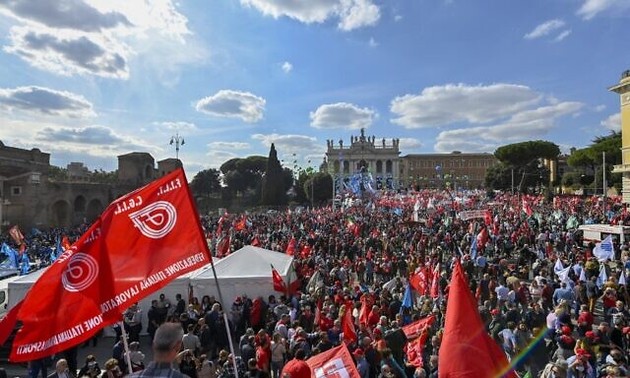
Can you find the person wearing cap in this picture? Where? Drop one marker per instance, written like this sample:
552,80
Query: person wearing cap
363,367
578,365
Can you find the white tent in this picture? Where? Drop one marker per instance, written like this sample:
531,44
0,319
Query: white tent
246,271
17,291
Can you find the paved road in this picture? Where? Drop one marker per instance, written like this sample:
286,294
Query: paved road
103,351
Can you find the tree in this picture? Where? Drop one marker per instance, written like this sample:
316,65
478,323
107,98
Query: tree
498,177
242,174
318,188
206,183
589,160
524,160
274,192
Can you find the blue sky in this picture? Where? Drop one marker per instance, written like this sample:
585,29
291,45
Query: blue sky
88,80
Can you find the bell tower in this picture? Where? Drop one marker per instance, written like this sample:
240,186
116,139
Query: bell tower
623,89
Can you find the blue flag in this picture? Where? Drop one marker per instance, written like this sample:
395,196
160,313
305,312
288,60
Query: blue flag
473,249
12,256
407,298
26,264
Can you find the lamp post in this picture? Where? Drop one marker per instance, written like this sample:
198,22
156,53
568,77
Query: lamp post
178,141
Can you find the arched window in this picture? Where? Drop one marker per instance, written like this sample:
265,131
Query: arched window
388,166
379,166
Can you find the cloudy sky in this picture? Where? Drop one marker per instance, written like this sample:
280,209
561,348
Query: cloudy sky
90,79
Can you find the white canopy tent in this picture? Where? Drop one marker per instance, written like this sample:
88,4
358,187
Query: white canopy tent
246,271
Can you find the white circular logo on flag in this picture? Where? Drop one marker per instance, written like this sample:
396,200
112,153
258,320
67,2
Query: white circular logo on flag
155,220
80,273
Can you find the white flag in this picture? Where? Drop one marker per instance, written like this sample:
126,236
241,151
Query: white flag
582,276
604,250
558,266
622,277
563,275
602,278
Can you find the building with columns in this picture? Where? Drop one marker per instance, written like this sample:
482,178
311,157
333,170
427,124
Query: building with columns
623,89
365,154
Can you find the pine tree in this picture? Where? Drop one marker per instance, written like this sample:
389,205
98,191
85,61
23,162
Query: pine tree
273,190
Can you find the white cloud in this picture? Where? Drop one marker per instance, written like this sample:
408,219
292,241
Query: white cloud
342,115
179,126
613,122
600,108
291,143
67,54
101,37
355,14
410,143
235,104
560,37
524,125
229,145
591,8
545,29
447,104
373,42
287,67
45,101
63,14
352,14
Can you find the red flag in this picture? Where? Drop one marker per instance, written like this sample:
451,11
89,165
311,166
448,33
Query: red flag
278,282
291,247
7,323
347,325
334,363
256,242
241,225
140,243
465,340
435,282
414,329
418,281
527,209
16,235
65,243
482,238
223,246
318,313
487,217
415,348
306,251
366,306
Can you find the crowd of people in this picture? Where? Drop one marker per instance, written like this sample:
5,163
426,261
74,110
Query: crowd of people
548,320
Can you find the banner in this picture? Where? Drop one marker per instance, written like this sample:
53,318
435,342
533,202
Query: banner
141,242
472,214
334,363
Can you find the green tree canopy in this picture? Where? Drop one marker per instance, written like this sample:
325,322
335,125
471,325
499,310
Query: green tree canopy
521,154
206,183
274,183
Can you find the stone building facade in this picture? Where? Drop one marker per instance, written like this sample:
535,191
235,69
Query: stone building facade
365,154
30,197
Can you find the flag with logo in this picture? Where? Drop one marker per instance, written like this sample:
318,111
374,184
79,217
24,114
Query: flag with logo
419,280
336,362
140,243
278,282
415,329
604,250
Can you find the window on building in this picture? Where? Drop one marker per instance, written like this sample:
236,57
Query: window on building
16,190
388,166
346,166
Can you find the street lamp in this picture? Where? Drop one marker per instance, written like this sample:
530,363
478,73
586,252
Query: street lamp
178,141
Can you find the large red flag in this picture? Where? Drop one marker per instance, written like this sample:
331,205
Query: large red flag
140,243
336,362
278,282
366,306
416,347
466,349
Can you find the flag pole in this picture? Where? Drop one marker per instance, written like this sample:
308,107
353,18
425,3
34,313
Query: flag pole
225,319
126,345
